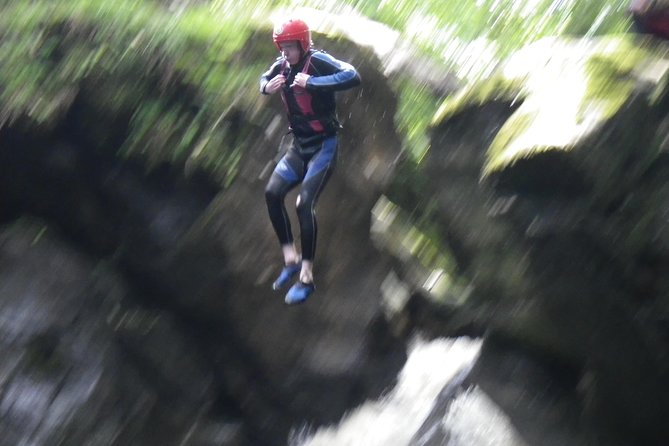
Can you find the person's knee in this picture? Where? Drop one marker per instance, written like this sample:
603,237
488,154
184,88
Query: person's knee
304,204
272,195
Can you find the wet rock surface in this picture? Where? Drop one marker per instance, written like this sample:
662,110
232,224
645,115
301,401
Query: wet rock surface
136,305
80,361
565,269
220,353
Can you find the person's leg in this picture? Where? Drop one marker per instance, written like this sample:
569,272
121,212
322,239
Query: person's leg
319,170
285,177
275,193
290,254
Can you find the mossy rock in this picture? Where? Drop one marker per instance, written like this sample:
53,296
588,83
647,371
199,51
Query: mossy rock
578,96
181,86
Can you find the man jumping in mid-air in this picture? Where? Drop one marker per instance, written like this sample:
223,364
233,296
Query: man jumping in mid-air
307,80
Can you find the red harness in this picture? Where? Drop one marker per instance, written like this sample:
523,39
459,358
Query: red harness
303,99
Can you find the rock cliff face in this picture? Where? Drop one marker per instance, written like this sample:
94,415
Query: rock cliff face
556,218
212,351
82,362
134,297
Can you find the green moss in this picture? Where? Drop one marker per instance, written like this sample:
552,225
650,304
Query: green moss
403,237
415,108
173,73
420,244
131,51
573,97
609,75
495,88
499,153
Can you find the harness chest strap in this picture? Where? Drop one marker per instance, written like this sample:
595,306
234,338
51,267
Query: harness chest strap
303,100
308,110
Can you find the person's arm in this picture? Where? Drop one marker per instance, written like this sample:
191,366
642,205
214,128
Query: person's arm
331,74
272,79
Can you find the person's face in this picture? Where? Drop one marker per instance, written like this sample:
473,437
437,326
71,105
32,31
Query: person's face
291,51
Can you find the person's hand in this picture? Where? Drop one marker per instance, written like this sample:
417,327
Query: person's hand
301,80
275,84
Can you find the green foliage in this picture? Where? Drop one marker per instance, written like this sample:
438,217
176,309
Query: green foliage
592,86
495,88
456,32
179,73
511,23
172,72
609,74
414,107
497,153
434,266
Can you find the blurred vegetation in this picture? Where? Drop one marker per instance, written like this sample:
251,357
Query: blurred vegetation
181,76
177,73
471,36
510,24
594,81
183,69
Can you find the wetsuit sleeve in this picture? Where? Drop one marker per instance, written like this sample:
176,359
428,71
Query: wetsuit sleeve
331,74
269,74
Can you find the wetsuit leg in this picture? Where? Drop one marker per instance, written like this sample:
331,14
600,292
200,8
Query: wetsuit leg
319,169
287,174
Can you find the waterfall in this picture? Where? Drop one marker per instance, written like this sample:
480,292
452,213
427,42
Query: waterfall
422,409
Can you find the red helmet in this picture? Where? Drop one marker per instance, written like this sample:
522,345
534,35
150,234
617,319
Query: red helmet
290,31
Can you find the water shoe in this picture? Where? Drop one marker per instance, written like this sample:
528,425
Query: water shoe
299,292
286,275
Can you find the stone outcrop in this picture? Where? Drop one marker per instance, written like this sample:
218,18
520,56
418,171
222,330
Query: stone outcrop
558,229
84,364
136,293
205,254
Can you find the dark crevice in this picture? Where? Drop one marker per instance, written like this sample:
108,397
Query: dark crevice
550,174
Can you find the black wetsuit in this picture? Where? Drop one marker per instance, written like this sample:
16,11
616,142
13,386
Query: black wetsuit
312,157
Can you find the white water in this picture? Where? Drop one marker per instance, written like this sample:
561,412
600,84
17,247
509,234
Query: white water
393,420
475,420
